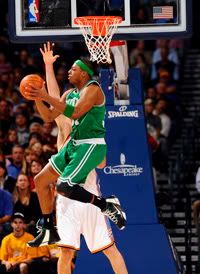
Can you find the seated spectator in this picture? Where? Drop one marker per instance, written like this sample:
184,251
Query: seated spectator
35,168
29,156
168,87
164,65
37,147
151,93
6,182
16,256
26,202
139,49
22,127
35,127
15,97
15,161
162,151
141,63
6,210
172,54
153,121
164,58
34,137
5,117
10,141
161,90
61,78
161,111
25,63
5,66
47,137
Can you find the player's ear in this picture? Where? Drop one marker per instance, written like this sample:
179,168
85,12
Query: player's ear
83,73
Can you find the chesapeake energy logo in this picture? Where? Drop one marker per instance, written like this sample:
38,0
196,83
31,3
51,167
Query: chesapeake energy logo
123,169
123,113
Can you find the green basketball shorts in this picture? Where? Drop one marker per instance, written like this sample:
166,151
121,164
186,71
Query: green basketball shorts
74,162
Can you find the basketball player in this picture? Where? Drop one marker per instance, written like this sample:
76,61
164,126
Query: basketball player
72,216
84,151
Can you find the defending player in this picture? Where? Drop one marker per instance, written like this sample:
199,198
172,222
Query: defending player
86,149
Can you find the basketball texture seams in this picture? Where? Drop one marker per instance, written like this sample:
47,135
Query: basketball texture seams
33,79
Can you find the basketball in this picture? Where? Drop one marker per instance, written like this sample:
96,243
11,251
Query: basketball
33,79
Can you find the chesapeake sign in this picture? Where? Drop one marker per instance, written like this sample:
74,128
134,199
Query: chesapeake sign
123,169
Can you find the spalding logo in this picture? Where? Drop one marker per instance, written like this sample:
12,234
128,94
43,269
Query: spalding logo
123,113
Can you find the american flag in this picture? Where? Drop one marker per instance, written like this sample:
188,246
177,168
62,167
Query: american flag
165,12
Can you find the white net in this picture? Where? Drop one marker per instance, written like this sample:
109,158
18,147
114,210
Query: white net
98,33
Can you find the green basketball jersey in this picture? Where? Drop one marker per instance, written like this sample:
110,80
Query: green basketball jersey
91,124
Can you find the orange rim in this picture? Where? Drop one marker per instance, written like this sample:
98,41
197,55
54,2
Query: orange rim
99,24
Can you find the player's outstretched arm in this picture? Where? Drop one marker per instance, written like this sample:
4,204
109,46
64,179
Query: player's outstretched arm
49,58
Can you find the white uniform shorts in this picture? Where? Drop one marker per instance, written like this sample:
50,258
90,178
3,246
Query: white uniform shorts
75,219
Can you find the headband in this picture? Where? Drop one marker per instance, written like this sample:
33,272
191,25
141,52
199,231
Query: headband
84,67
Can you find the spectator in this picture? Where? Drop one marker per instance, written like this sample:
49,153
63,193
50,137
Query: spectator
5,118
35,127
6,182
151,93
172,55
165,64
15,165
34,137
25,63
10,141
21,125
5,66
16,256
35,168
29,156
170,88
47,137
140,62
37,147
6,210
26,202
161,90
164,52
61,78
152,120
160,110
162,151
139,49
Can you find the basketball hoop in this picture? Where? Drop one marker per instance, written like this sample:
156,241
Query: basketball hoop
98,32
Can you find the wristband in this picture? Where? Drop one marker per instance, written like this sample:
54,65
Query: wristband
69,110
84,67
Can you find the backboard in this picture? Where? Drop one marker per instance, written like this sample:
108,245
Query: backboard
41,20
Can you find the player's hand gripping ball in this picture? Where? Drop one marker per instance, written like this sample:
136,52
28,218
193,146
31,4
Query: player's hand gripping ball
34,79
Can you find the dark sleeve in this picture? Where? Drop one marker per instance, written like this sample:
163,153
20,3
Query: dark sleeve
34,206
9,184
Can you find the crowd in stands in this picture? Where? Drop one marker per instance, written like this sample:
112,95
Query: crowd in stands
26,141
